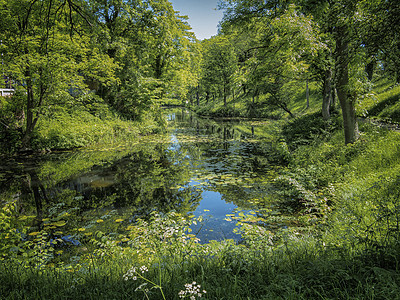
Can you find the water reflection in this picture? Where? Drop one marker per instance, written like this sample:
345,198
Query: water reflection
201,166
223,161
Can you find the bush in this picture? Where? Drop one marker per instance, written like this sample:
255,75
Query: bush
11,122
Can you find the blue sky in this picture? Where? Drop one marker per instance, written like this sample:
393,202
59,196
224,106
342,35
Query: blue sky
203,18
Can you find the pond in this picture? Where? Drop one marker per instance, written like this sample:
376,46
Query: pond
218,171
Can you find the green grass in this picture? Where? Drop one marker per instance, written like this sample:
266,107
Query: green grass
88,121
296,267
382,103
80,128
299,103
239,107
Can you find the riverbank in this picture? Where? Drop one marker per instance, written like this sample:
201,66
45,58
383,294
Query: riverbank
347,247
348,253
67,128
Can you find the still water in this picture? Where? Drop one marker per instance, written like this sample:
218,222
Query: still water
214,170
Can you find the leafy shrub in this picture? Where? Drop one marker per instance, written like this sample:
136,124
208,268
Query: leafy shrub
11,122
308,199
280,154
9,235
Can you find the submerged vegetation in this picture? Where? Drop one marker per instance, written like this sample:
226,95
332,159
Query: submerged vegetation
319,194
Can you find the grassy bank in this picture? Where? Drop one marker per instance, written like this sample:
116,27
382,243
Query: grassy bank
87,122
348,195
284,265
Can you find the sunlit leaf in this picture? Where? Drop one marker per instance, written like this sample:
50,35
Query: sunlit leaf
59,223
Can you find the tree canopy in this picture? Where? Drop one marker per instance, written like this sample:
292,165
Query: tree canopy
136,54
128,52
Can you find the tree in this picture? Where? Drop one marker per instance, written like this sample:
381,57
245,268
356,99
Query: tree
152,45
343,11
219,64
279,60
339,22
380,33
46,57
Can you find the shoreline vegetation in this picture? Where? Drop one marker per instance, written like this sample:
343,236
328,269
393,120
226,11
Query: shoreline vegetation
79,126
95,73
347,247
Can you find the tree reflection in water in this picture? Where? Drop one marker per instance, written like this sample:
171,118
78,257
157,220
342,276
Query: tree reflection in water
200,166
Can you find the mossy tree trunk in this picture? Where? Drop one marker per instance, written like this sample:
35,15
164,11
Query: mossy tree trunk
307,95
350,125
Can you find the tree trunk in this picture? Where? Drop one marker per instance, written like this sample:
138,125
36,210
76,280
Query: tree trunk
288,111
327,96
225,96
198,96
350,124
370,68
29,110
307,95
333,97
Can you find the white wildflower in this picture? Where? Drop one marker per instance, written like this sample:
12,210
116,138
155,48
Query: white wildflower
144,269
192,290
132,271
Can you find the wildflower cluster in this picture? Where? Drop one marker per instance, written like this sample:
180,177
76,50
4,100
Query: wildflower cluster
132,273
192,290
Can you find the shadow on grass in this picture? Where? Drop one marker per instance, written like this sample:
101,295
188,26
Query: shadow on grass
305,129
381,106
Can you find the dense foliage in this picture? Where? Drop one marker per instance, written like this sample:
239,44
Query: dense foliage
90,72
137,54
281,47
63,54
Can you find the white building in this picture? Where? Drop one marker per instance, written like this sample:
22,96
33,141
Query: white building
6,92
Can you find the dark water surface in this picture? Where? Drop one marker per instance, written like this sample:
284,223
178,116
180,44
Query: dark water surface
216,170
